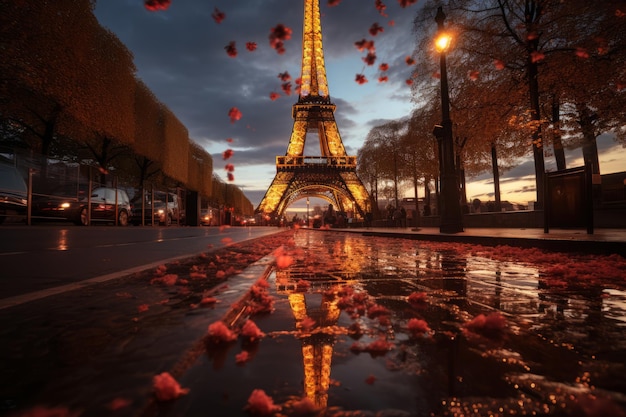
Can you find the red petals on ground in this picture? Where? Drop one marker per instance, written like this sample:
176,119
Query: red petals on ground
491,326
417,298
167,280
260,404
251,331
418,327
166,388
219,332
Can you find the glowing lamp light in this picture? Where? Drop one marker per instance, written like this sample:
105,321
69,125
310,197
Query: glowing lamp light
443,41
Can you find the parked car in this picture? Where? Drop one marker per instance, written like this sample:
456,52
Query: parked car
13,192
165,212
103,207
207,218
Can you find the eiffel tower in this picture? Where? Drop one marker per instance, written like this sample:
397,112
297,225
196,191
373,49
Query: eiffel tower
331,176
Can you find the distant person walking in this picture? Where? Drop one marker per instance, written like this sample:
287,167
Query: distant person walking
330,217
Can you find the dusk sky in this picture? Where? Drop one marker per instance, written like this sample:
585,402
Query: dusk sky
180,54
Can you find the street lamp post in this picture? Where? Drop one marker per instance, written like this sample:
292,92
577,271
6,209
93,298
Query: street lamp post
450,210
308,219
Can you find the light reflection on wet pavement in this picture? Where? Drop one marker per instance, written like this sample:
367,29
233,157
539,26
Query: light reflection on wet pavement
561,351
362,326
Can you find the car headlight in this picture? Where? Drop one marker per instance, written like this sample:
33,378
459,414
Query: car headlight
65,205
160,211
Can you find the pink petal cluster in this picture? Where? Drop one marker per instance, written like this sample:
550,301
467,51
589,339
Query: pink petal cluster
219,332
166,388
261,404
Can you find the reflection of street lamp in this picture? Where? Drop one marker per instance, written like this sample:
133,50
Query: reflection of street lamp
450,210
308,222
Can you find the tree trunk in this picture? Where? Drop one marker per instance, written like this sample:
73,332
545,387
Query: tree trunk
533,89
557,143
496,177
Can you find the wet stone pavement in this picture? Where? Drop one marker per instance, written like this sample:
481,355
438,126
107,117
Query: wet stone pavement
340,324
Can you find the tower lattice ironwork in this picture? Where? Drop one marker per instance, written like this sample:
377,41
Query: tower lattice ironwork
332,175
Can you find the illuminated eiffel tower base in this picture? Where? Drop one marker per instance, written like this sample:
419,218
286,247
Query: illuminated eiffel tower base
332,175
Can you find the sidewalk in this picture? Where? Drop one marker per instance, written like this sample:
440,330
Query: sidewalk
602,241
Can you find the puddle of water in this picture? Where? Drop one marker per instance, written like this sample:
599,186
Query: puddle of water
345,333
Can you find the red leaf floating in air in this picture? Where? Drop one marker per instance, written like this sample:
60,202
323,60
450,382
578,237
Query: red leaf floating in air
274,96
284,76
227,154
286,87
154,5
251,46
409,60
380,6
409,82
332,3
370,58
218,16
360,79
383,79
231,49
278,35
229,167
364,44
230,177
383,67
234,114
375,29
405,3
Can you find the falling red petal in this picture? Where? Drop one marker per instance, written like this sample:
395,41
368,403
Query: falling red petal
229,140
364,44
409,60
278,35
498,64
230,177
218,16
370,58
473,75
251,46
405,3
231,49
154,5
234,114
332,3
284,76
383,67
409,82
383,79
380,6
229,167
227,154
286,87
360,79
375,29
274,96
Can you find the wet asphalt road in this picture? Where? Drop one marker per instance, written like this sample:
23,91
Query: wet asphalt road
44,259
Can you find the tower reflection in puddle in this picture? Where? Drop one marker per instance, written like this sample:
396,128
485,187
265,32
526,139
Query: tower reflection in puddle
317,327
